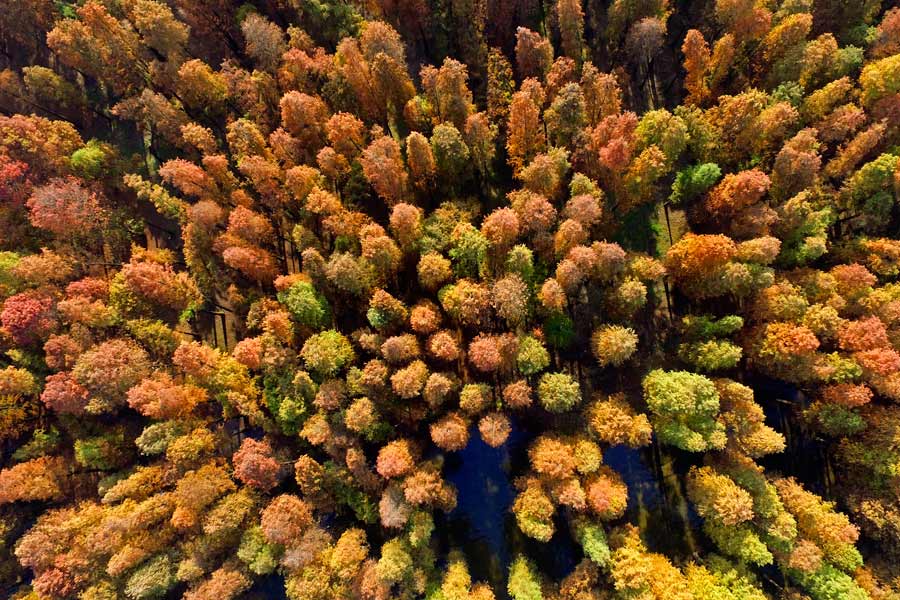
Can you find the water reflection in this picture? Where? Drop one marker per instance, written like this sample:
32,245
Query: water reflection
268,587
806,454
482,525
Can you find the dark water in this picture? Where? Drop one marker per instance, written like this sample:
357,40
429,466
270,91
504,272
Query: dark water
268,587
481,522
806,456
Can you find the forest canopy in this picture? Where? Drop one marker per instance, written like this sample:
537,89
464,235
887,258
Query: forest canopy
450,299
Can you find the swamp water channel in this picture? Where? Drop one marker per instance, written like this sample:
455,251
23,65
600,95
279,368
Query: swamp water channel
483,527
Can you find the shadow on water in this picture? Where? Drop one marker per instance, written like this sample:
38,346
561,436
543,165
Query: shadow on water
656,501
270,587
482,525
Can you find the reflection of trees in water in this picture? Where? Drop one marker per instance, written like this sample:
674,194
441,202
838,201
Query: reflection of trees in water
656,498
805,455
482,525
